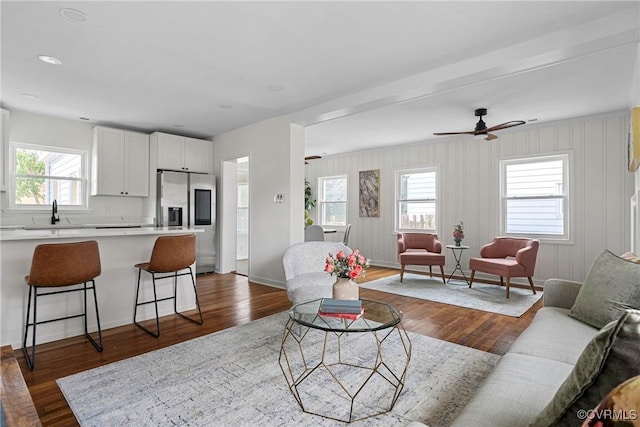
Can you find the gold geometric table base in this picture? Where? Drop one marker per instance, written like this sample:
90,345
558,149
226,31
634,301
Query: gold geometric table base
329,377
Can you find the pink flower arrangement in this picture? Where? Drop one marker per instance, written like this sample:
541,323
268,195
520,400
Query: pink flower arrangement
458,231
346,266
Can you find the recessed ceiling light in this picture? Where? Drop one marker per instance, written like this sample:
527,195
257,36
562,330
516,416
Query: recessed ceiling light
226,106
50,59
275,88
73,15
178,126
30,96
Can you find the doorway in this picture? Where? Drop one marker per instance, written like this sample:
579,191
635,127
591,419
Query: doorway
242,216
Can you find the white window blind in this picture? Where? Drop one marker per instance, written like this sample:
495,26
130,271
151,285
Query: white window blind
416,199
535,196
332,201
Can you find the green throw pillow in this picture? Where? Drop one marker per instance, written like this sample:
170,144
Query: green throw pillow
612,286
610,358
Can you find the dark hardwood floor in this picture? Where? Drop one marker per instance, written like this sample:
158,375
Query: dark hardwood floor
228,300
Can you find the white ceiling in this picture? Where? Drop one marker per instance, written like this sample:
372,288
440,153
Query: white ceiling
357,74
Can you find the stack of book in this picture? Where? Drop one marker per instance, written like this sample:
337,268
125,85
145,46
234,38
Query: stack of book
343,309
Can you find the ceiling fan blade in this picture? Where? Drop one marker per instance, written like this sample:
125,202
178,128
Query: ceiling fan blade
454,133
505,125
490,137
311,158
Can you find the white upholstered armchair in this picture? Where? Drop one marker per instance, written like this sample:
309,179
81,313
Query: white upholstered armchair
304,270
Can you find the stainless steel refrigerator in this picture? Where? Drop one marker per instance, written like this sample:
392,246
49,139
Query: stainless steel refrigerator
187,199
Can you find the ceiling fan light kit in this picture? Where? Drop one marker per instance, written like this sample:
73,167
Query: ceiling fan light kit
481,131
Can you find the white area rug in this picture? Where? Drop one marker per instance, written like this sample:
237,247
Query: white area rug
481,296
232,378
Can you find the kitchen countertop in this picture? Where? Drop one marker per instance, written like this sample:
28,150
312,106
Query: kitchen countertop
120,250
53,232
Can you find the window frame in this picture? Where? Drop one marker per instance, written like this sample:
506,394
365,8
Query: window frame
84,179
566,158
396,215
321,203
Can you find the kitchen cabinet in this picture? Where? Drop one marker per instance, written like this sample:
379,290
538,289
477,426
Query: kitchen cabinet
119,163
4,149
182,153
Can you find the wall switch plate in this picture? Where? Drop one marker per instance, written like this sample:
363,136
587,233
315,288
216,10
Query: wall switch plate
278,198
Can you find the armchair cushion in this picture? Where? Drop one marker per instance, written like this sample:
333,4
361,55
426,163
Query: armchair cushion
420,257
508,267
612,285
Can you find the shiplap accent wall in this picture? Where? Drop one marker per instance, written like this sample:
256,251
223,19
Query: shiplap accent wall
600,187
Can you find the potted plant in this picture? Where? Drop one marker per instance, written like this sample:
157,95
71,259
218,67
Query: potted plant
309,203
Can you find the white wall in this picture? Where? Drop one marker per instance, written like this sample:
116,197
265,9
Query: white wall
45,130
635,200
601,189
276,165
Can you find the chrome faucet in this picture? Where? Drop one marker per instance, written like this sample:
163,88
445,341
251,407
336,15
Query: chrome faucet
54,212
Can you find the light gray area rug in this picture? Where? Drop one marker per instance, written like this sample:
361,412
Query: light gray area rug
481,296
232,378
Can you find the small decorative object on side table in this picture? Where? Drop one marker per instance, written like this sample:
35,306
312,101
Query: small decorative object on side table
346,268
457,250
458,233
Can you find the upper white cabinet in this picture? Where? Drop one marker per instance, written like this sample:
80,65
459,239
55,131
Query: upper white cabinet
182,153
119,163
4,149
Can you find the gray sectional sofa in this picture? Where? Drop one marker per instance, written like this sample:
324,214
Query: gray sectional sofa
537,363
582,344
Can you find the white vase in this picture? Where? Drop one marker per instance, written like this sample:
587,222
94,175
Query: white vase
345,288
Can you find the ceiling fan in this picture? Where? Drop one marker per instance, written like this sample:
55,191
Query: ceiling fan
482,131
311,158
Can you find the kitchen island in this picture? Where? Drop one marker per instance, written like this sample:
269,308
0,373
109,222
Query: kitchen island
120,249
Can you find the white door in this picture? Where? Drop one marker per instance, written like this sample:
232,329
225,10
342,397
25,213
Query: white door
242,222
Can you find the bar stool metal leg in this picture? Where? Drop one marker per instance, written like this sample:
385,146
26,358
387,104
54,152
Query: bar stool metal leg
31,359
98,346
195,291
155,334
155,300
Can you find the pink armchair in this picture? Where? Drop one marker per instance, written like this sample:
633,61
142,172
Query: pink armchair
420,249
507,257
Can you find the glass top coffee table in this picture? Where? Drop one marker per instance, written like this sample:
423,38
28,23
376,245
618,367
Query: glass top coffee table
345,369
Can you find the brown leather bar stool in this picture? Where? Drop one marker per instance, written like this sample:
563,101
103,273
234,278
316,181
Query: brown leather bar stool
61,265
174,255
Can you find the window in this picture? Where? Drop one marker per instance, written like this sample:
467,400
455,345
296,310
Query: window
44,174
332,204
534,196
416,199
